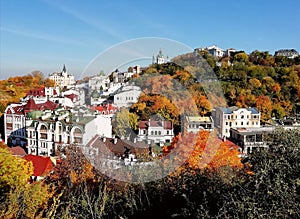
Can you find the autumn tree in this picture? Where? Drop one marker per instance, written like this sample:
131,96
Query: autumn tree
19,198
125,123
265,106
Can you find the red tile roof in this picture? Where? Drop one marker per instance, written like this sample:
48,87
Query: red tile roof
36,92
31,105
42,165
106,109
18,151
71,96
146,124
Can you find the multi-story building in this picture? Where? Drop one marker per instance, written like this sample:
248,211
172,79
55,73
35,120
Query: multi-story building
156,131
41,95
250,139
15,120
196,123
99,83
127,95
233,117
290,53
49,130
214,50
62,79
41,128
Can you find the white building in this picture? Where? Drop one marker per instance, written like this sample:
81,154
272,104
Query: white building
290,53
99,83
62,78
53,130
158,132
214,50
127,95
233,117
160,58
196,123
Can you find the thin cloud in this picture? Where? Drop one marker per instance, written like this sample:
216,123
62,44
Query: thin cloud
91,22
41,36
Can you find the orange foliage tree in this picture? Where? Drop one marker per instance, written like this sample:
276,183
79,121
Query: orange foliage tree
205,151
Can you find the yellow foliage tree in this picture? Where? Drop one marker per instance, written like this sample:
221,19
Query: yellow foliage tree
19,198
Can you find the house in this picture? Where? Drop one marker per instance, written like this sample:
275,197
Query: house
15,120
49,130
289,53
41,166
62,79
106,109
250,138
99,83
229,52
196,123
233,117
127,95
214,50
113,153
156,131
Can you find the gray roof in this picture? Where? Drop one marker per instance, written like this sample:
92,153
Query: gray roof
253,110
230,110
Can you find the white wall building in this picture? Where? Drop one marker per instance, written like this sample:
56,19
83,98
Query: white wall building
196,123
44,136
159,132
62,78
233,117
99,83
160,58
127,95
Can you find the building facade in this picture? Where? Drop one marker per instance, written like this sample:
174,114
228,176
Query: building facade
160,58
290,53
127,95
62,79
196,123
61,128
233,117
158,132
250,139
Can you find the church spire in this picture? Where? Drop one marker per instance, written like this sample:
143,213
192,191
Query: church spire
64,69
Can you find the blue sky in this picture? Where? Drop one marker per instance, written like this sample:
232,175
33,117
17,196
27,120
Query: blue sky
45,34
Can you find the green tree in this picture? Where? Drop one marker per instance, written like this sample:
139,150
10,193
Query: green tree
125,122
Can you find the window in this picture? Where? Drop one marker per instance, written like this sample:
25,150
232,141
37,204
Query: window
242,116
167,132
226,123
242,123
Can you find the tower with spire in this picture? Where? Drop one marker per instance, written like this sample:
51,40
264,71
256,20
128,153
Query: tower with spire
160,59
